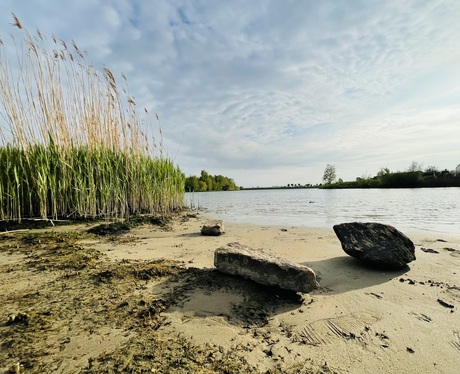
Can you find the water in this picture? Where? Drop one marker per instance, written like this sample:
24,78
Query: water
431,209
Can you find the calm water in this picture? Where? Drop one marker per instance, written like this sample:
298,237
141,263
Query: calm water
432,209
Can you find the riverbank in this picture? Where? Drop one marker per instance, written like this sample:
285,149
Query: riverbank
150,299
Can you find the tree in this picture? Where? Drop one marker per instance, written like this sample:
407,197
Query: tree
207,182
383,171
432,170
202,186
192,184
414,166
329,174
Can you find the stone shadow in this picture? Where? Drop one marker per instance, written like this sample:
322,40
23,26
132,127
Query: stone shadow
344,273
208,292
190,235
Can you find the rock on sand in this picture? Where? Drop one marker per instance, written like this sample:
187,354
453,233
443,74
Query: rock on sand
239,259
376,244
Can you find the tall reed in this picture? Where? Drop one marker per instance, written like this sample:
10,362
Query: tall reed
71,143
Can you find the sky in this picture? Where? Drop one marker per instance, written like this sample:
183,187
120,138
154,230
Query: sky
270,92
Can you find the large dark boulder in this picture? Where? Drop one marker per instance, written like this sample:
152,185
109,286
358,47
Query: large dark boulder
376,244
239,259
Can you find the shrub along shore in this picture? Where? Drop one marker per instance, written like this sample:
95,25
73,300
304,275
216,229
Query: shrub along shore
414,179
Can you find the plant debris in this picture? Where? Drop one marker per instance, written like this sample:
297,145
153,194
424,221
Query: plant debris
445,305
117,228
80,312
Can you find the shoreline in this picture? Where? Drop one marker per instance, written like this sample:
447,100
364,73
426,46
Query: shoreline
235,222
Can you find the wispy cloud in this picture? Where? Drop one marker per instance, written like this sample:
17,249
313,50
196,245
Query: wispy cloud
269,92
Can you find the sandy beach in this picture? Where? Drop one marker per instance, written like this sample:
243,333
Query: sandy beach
360,320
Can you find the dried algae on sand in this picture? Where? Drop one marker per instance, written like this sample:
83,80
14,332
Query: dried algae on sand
65,306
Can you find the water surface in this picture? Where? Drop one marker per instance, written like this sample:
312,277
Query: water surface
432,209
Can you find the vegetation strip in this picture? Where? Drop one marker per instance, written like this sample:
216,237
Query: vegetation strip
73,145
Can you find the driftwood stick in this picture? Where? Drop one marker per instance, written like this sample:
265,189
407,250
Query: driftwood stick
13,232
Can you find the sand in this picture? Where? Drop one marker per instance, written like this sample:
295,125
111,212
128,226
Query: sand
360,320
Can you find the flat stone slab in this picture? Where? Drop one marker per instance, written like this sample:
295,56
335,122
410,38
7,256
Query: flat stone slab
376,244
239,259
213,228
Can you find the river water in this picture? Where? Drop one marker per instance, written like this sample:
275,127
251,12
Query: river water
432,209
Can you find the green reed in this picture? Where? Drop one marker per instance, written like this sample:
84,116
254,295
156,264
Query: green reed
73,144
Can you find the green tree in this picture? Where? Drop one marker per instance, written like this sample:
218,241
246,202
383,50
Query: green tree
192,184
204,175
208,179
403,180
329,175
383,171
202,186
207,182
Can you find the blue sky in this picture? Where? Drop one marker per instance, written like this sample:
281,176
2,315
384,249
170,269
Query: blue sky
270,92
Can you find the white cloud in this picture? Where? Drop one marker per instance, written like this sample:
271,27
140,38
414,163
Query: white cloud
271,91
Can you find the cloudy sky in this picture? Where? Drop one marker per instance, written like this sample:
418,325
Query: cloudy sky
270,92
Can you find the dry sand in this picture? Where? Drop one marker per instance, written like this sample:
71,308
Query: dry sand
360,320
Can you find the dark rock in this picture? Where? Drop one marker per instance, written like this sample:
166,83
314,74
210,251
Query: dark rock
376,244
444,304
263,268
428,250
22,318
213,228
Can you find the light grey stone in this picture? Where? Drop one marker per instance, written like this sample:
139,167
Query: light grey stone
239,259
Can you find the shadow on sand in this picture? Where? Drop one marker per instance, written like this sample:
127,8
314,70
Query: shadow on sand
345,273
190,235
208,293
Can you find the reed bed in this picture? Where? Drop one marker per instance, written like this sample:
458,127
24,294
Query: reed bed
72,144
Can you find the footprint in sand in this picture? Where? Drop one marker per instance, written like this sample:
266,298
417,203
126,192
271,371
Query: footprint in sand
453,252
456,342
327,331
422,317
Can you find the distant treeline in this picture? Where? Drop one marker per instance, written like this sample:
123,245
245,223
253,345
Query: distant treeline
207,182
407,179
